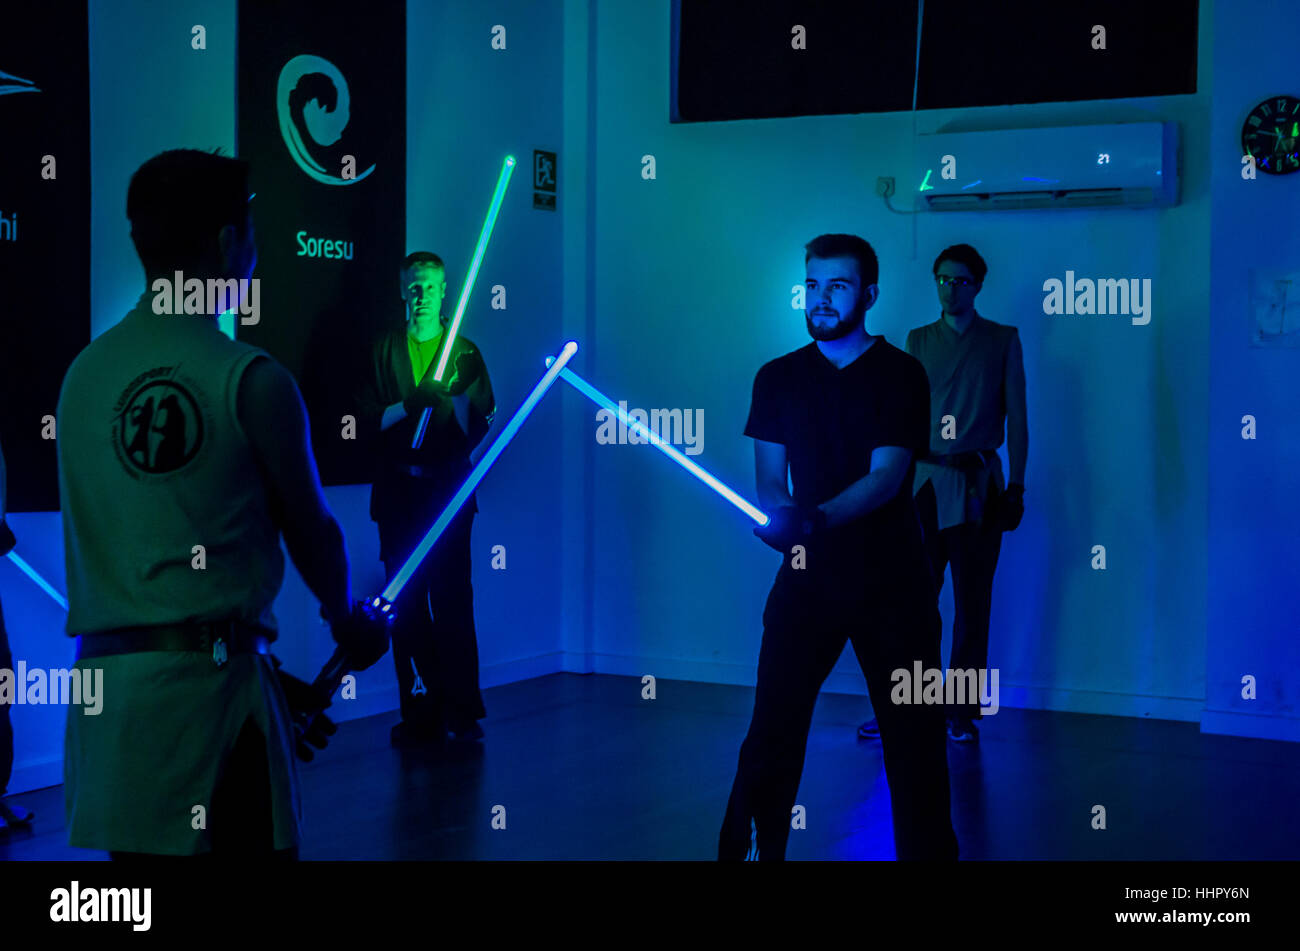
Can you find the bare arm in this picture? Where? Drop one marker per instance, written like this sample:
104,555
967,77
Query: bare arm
275,421
770,475
1017,417
888,469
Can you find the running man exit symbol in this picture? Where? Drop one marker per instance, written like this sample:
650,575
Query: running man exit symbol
544,180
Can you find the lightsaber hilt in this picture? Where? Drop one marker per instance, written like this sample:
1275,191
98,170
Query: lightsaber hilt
331,675
378,614
484,235
327,681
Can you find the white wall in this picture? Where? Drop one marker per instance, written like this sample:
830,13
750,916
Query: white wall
1254,563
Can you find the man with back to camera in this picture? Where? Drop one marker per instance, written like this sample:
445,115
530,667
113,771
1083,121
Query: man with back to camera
843,418
12,815
977,390
183,457
435,647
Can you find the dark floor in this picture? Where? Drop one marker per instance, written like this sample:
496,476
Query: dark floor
585,769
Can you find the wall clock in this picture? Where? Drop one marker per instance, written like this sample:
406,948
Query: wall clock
1272,135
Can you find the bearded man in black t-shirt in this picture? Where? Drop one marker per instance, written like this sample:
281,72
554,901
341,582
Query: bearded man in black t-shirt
844,417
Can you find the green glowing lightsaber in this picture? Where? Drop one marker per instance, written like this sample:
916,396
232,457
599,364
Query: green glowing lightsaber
485,235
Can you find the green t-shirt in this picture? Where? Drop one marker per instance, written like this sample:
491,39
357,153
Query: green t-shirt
424,353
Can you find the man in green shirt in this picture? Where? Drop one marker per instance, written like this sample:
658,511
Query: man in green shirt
977,390
435,648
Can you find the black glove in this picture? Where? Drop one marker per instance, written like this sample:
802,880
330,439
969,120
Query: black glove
310,725
462,371
7,540
792,525
1011,507
365,633
426,395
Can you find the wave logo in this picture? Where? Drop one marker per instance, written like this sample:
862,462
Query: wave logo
10,84
311,98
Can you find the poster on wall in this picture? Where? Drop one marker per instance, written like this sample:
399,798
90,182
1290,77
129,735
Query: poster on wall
321,119
44,234
1274,308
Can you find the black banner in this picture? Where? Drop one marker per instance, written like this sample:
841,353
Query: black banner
322,119
44,233
332,903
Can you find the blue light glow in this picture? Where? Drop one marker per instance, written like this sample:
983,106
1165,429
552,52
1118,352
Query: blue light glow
498,446
41,583
600,399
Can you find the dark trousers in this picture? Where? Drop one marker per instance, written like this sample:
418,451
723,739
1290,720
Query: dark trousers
801,643
6,728
972,550
242,826
435,647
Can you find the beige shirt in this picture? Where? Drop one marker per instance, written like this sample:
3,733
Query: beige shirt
977,378
153,462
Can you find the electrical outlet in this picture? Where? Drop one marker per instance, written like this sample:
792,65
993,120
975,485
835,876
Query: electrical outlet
884,187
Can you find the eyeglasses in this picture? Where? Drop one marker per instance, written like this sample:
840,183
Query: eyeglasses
943,280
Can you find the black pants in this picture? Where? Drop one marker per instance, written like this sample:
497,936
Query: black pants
6,728
435,647
802,640
242,826
972,550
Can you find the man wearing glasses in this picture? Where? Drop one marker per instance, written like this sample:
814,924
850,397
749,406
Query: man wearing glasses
977,387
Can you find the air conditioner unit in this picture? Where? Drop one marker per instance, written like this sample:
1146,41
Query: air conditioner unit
1130,163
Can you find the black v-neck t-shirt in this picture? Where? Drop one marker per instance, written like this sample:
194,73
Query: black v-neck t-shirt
830,420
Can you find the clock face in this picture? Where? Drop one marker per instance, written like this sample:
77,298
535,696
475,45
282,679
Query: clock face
1272,135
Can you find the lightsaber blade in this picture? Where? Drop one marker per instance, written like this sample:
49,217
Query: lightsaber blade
484,236
476,475
717,485
41,583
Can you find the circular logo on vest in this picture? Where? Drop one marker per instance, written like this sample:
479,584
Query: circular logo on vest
159,428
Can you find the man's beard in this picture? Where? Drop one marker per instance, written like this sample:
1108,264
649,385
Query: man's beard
842,328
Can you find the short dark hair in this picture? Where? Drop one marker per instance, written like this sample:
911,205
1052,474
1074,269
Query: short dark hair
963,254
422,257
179,201
846,246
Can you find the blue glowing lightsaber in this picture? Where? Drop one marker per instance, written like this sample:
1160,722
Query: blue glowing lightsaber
600,399
479,471
485,235
41,583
